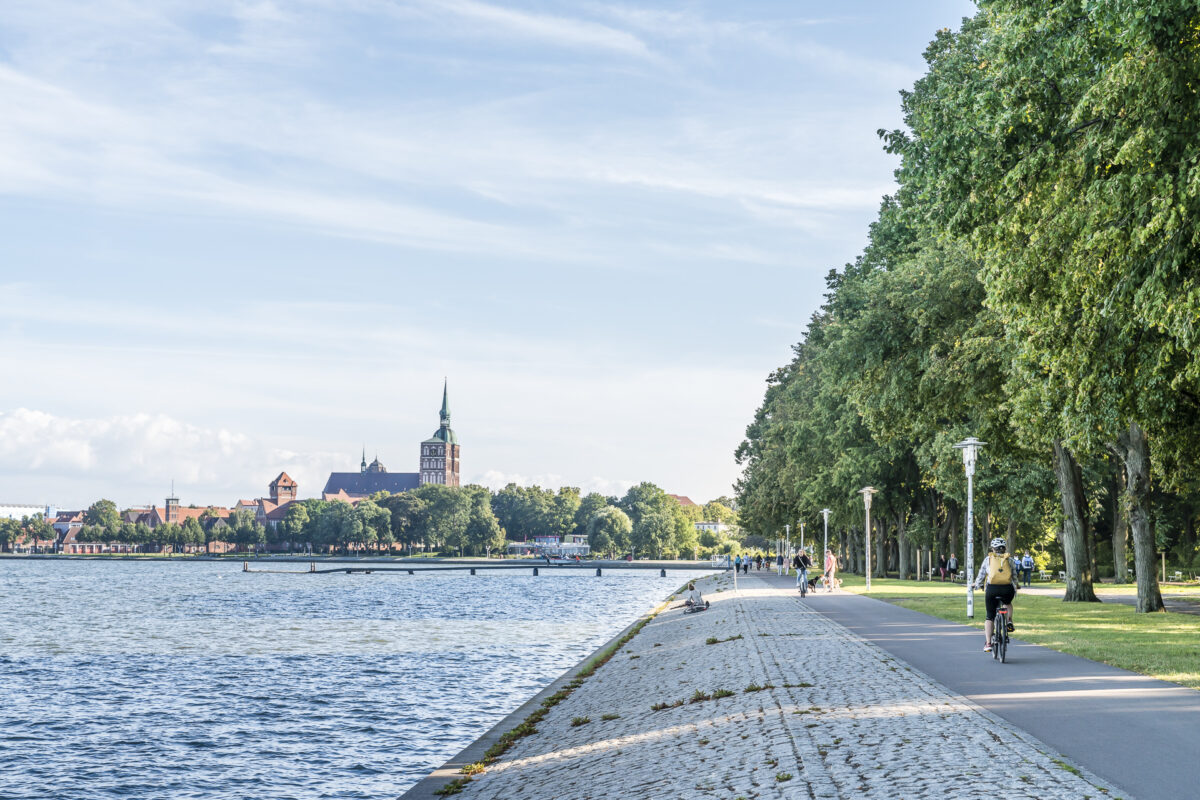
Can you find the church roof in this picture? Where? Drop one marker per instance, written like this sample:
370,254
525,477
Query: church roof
283,480
368,483
442,435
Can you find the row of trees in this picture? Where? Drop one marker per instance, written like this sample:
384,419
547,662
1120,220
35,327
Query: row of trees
1034,283
469,520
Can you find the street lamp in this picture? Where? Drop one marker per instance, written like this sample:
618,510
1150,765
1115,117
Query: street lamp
787,530
825,513
866,492
803,542
970,449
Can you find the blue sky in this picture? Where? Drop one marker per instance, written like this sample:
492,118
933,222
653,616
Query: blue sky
243,237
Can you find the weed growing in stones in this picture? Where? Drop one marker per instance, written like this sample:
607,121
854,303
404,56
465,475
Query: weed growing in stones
577,721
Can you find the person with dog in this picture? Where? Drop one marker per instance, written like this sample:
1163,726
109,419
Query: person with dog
831,568
802,563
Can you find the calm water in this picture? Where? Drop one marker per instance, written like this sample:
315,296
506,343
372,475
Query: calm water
196,680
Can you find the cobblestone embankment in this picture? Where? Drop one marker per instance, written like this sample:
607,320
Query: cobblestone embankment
812,711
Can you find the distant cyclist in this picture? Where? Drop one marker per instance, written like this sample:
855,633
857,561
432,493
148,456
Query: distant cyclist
998,578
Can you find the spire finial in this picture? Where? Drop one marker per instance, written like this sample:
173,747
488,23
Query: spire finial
445,413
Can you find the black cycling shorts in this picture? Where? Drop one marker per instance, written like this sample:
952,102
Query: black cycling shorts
995,593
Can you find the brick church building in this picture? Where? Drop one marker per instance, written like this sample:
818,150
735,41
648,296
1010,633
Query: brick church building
439,463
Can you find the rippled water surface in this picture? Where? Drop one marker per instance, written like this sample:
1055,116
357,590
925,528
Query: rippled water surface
196,680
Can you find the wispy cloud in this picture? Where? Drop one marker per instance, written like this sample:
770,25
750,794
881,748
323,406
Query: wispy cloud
142,452
558,31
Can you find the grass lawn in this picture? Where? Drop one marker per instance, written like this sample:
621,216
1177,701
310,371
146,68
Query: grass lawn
1164,646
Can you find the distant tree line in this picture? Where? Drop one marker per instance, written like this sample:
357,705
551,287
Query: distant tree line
471,520
1033,283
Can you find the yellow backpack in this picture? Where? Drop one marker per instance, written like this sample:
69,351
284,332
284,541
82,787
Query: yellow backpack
999,569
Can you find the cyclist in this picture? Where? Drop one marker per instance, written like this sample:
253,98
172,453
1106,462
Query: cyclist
998,578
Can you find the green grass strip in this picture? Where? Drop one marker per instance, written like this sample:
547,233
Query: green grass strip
1163,646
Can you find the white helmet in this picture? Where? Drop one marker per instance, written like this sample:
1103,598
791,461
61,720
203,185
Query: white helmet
998,544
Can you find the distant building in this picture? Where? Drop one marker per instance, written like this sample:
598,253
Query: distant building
683,500
369,479
440,452
439,463
13,511
271,510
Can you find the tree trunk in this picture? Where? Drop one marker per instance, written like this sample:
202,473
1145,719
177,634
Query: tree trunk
905,550
1120,524
1136,454
952,515
877,568
1075,536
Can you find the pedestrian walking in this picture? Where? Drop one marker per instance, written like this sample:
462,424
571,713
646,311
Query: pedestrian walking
952,566
942,566
779,563
737,564
831,567
1027,568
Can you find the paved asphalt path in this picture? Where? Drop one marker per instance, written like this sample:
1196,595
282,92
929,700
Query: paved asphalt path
1139,733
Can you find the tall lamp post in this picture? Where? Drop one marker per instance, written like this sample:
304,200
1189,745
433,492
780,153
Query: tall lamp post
803,542
970,449
866,492
825,513
787,529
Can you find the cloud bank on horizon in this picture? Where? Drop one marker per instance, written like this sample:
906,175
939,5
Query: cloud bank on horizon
239,237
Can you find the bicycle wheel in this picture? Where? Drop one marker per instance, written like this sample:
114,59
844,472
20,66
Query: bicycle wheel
1002,644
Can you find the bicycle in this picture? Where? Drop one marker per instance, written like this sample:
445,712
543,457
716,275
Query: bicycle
1000,633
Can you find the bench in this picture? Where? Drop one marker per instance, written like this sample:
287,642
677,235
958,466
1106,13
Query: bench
1043,575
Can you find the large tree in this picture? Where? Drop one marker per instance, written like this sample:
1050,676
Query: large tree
609,531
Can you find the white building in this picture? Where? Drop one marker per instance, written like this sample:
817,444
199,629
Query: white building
18,512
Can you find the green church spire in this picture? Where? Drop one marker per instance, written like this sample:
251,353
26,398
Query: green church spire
445,403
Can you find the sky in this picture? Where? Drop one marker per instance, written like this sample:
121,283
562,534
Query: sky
239,238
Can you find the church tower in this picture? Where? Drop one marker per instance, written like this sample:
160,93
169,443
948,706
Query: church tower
440,452
283,489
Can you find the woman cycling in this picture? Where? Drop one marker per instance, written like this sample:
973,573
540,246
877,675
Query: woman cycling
998,577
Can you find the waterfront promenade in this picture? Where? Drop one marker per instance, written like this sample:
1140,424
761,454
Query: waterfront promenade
814,710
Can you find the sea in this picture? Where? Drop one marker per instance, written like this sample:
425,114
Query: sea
179,678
